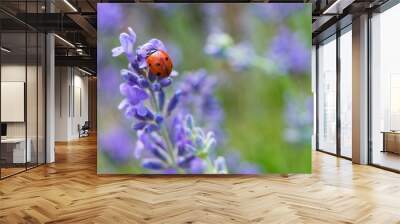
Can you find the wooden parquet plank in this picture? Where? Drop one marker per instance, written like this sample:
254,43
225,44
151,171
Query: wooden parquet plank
70,191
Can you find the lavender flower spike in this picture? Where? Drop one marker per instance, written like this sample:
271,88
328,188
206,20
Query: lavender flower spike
167,142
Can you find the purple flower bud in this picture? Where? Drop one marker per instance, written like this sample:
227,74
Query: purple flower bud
197,166
124,88
127,43
173,101
130,112
154,164
158,140
199,142
141,58
141,110
165,82
159,119
156,86
185,161
134,67
152,77
130,77
157,44
132,34
139,126
151,127
161,99
142,113
143,83
123,105
159,153
189,121
117,51
181,149
133,93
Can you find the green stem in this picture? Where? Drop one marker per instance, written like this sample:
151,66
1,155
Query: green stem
164,132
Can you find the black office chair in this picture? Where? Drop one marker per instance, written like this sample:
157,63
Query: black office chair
84,130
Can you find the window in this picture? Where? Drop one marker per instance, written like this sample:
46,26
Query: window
327,96
346,93
385,89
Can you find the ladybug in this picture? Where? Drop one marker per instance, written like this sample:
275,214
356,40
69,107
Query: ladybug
160,64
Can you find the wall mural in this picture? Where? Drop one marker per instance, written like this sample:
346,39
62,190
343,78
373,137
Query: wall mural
204,88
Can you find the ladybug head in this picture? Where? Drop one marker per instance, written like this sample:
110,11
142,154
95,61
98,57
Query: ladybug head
152,51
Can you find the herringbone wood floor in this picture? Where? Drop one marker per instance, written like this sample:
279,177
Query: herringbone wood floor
69,191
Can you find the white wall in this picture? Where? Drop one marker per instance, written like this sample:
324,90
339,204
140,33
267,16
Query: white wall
71,94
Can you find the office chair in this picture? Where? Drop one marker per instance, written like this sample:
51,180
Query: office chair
84,130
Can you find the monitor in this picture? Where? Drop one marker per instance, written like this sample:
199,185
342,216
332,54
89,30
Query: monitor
3,129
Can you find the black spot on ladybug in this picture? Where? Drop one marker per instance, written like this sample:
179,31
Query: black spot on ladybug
158,74
158,64
149,65
166,58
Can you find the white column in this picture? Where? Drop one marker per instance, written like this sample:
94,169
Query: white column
360,90
50,92
50,99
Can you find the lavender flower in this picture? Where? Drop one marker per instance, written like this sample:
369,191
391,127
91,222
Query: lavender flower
289,52
276,12
166,142
198,99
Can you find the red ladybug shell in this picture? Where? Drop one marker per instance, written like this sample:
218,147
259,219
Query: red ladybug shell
160,64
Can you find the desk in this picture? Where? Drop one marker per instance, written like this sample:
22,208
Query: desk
391,141
18,149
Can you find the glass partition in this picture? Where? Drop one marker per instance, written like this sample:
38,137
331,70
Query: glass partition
22,77
13,105
327,96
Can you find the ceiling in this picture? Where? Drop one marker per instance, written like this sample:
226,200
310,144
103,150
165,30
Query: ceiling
330,15
75,21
